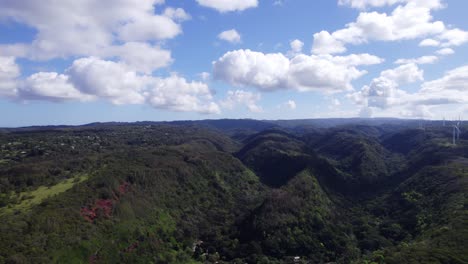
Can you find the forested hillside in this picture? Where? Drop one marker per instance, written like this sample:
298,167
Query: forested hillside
234,191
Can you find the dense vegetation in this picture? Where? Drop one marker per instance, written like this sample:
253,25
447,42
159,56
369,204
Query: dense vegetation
234,191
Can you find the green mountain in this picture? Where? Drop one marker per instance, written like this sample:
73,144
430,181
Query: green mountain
234,191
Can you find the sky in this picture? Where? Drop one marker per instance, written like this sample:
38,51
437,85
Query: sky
75,62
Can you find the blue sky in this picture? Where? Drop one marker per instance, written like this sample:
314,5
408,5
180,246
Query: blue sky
75,62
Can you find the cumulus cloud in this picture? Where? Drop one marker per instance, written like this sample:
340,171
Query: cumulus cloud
290,104
325,43
354,59
404,74
92,78
429,43
228,5
141,56
420,111
241,97
451,88
327,73
50,86
88,28
118,46
273,71
410,20
149,27
176,94
114,81
384,93
448,38
9,71
177,14
420,60
445,51
204,76
296,46
453,37
362,4
249,68
231,36
108,79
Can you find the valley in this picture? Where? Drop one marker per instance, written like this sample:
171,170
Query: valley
234,191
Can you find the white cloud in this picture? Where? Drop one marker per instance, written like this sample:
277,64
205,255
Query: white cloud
278,3
205,76
404,74
445,51
14,50
316,73
429,43
452,88
119,46
327,73
176,94
290,104
420,60
8,68
231,36
453,37
246,67
93,78
115,82
324,43
241,97
228,5
141,56
9,71
411,111
336,102
88,28
383,91
50,86
177,14
410,21
354,59
108,79
448,38
149,27
273,71
362,4
455,79
296,46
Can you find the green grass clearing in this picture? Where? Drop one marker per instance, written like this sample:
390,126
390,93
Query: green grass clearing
31,198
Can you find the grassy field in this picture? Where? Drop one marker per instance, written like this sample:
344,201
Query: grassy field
31,198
